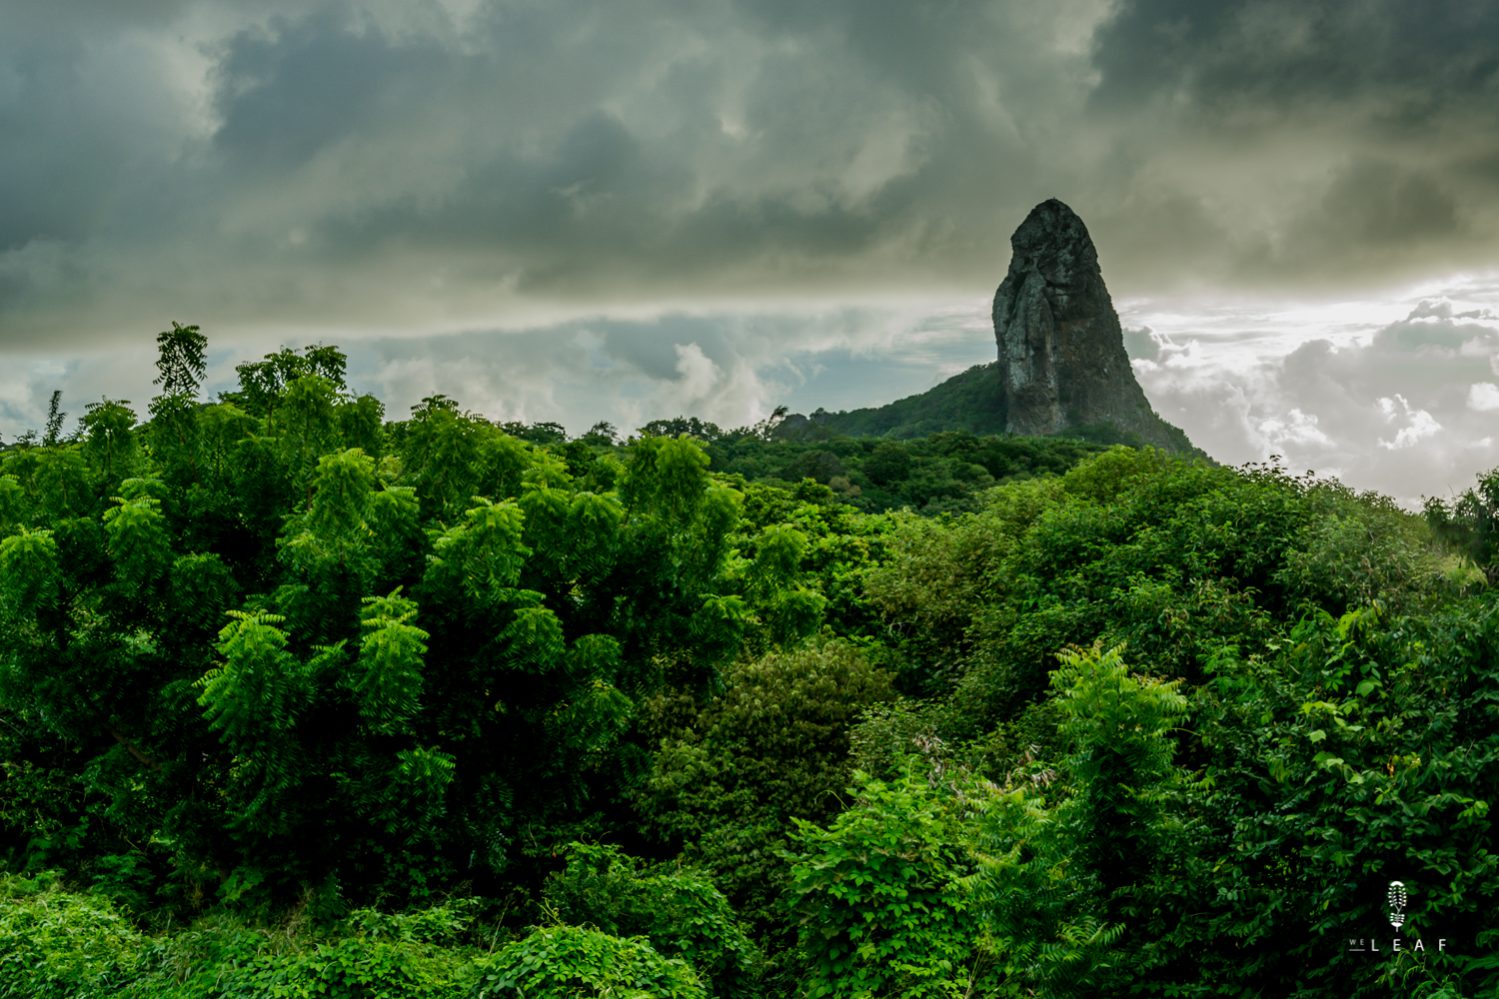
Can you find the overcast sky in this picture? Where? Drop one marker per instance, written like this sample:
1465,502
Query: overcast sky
637,208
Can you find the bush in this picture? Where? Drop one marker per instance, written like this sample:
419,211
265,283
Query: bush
59,943
558,961
774,745
369,954
678,910
882,892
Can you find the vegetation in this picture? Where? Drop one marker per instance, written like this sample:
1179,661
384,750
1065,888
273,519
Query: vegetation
298,700
946,472
967,403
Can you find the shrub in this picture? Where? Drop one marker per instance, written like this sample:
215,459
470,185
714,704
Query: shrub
60,943
556,961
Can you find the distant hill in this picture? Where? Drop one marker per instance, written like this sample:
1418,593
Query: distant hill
969,401
972,402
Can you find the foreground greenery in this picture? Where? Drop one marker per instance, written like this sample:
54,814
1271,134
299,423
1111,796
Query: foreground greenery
298,701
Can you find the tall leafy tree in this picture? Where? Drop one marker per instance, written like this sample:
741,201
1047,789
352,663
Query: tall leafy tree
55,417
181,361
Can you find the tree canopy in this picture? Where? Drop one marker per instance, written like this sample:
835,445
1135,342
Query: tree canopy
297,698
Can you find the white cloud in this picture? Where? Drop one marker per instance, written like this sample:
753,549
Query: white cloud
1297,429
1418,424
1483,397
1421,426
698,373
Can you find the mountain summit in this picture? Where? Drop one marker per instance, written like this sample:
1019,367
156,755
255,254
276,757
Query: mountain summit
1062,364
1062,369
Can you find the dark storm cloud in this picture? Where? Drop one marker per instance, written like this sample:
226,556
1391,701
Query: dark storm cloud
1361,137
665,144
75,123
299,86
634,150
1402,62
326,162
1374,214
1381,203
44,16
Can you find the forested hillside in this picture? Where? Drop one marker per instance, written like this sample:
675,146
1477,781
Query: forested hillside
945,472
967,403
299,697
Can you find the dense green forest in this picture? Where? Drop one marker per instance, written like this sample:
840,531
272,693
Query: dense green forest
299,699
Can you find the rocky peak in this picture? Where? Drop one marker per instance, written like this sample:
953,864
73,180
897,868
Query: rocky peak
1062,363
1054,241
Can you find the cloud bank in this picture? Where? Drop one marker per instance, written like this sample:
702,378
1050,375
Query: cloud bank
1406,409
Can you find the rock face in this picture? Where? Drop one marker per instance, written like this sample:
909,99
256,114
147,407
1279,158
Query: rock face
1062,363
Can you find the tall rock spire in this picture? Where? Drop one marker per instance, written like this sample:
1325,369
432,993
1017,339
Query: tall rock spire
1062,363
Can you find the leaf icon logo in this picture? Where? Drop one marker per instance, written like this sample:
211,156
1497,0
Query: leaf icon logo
1396,898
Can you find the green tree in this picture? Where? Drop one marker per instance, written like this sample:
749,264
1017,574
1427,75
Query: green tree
1119,730
254,700
55,417
180,363
109,442
882,891
387,681
138,538
330,549
263,384
772,746
678,910
1471,523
